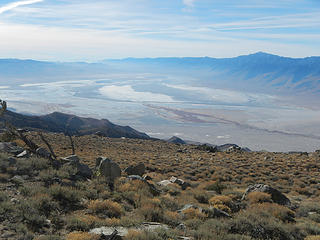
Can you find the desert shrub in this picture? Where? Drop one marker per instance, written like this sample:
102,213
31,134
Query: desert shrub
171,218
192,213
202,197
158,234
210,229
82,236
32,165
169,202
259,197
315,217
47,176
260,224
313,238
309,228
26,236
280,212
4,177
49,237
7,209
216,186
45,204
224,203
105,207
69,198
303,191
193,224
31,190
30,215
89,191
58,221
4,164
151,212
83,222
306,207
130,221
112,222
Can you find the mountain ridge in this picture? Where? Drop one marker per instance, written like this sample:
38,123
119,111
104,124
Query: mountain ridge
72,124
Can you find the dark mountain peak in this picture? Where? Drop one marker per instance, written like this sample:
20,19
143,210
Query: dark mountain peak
176,139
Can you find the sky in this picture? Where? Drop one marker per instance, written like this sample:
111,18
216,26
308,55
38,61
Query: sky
77,30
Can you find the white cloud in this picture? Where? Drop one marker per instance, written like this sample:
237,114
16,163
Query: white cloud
127,93
188,3
13,5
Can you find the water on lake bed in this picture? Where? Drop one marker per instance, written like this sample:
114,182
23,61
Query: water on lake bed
162,109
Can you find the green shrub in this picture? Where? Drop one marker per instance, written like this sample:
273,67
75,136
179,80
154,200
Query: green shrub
69,198
216,186
31,216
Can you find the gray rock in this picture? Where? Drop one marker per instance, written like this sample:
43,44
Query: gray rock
42,152
180,182
136,170
276,195
17,180
108,231
164,183
216,213
181,227
123,231
136,177
24,154
83,170
108,168
10,147
188,206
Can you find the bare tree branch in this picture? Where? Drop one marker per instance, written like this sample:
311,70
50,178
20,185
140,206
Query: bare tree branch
72,144
48,145
3,107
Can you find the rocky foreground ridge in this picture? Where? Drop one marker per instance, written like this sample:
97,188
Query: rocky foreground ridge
142,189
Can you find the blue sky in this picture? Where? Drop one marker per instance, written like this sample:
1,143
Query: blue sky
69,30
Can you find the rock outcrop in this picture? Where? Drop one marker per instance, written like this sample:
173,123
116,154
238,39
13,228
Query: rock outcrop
136,170
83,170
276,195
107,168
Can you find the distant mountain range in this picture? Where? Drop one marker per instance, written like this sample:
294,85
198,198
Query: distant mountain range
71,124
255,72
260,71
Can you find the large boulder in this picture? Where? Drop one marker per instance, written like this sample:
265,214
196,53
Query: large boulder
83,170
10,147
136,170
107,168
276,195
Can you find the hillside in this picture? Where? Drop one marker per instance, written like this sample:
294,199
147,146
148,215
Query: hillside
186,193
71,124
